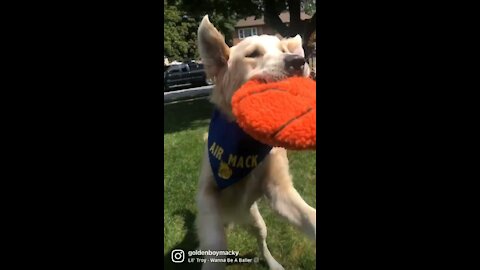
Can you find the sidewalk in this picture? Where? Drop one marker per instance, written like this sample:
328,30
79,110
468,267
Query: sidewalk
202,91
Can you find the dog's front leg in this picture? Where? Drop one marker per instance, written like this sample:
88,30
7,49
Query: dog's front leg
259,229
289,204
284,198
210,229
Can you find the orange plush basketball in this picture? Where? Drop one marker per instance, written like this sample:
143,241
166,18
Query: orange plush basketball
281,113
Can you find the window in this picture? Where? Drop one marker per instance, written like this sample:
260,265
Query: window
246,32
196,66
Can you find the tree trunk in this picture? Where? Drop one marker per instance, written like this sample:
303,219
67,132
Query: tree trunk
296,26
271,18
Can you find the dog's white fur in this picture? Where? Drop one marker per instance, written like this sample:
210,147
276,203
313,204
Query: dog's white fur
260,57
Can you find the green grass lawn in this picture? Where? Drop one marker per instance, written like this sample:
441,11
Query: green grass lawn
185,124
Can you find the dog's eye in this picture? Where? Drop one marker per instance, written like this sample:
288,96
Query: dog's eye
255,53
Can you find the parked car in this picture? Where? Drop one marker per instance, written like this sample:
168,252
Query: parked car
191,73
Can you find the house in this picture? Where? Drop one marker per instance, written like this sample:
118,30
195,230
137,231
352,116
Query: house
251,26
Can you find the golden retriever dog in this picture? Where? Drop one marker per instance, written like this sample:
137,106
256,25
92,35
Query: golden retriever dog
266,58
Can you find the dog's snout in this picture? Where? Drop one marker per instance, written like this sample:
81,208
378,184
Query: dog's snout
294,62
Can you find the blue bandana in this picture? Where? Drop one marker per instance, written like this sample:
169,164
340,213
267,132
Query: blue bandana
233,154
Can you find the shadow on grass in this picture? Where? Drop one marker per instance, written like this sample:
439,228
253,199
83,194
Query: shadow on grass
188,114
189,242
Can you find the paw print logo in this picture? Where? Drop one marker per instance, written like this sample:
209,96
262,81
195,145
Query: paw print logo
224,171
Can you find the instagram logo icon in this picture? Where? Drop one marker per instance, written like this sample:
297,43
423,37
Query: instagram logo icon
178,256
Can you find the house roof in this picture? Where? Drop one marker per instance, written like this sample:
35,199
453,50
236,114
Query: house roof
284,16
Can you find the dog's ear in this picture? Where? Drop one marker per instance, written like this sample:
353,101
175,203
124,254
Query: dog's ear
294,45
213,50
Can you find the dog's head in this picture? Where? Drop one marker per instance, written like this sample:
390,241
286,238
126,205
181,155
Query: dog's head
264,57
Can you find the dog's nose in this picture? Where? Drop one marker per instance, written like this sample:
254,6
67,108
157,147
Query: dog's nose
294,63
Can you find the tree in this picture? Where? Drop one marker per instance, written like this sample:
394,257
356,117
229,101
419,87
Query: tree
225,13
180,34
272,8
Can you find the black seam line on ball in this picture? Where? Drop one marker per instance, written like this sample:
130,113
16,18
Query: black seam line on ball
289,121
